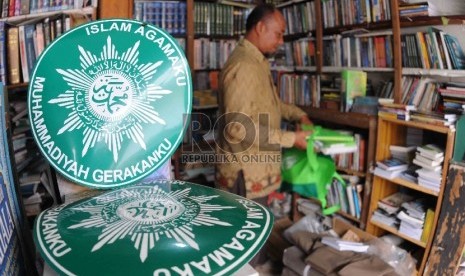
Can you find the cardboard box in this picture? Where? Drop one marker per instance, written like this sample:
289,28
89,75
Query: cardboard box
341,227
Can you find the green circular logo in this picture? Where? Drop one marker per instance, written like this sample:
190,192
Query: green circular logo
108,101
154,228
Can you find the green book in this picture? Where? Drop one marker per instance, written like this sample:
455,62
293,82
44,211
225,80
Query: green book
353,84
327,135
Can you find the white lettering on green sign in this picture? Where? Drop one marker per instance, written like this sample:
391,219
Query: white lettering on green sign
217,256
115,26
57,245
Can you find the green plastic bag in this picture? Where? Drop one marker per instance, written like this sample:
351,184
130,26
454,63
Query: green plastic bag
309,173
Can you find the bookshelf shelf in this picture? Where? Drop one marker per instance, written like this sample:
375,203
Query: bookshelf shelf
333,69
415,124
413,186
397,233
434,72
19,18
351,172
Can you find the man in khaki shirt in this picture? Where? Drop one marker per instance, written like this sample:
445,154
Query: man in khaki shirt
250,135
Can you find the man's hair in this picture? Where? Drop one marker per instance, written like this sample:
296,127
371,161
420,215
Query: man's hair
259,13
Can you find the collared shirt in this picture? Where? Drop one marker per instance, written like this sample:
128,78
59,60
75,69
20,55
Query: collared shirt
251,139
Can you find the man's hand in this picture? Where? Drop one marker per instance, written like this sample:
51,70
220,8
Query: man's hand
304,120
301,139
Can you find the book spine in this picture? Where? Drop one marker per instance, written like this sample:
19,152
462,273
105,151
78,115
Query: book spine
13,56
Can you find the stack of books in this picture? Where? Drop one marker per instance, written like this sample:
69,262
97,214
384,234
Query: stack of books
395,111
342,245
430,158
388,207
412,218
328,141
434,118
413,9
453,97
390,168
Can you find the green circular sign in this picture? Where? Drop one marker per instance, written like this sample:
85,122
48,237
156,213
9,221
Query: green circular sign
109,101
154,228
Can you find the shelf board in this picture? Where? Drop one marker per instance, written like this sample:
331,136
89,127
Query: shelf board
434,72
353,119
418,21
352,172
348,216
338,69
283,68
15,19
397,233
411,185
416,124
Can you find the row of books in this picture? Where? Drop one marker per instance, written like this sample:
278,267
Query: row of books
410,215
348,12
299,53
413,9
22,7
298,89
427,115
348,197
433,49
300,18
212,54
353,159
205,80
372,50
21,44
168,15
218,19
453,97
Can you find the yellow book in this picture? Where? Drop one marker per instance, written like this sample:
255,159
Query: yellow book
428,225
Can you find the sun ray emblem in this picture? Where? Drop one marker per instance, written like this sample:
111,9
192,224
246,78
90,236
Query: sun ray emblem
110,98
146,215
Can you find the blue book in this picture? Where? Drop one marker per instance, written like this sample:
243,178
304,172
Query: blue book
30,50
3,70
457,55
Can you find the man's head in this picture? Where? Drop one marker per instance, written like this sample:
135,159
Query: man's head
265,28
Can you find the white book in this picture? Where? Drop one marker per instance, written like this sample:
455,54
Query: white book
427,166
428,174
387,174
417,223
431,151
428,161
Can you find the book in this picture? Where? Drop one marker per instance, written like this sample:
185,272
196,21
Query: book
431,151
335,147
428,161
343,245
428,225
457,55
14,67
353,84
392,164
430,175
387,174
391,204
422,164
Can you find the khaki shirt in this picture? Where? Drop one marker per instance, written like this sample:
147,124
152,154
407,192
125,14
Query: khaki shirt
252,113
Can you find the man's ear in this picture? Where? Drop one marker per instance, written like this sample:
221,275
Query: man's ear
260,27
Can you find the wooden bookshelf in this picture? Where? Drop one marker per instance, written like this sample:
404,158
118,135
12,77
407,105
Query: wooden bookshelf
394,132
